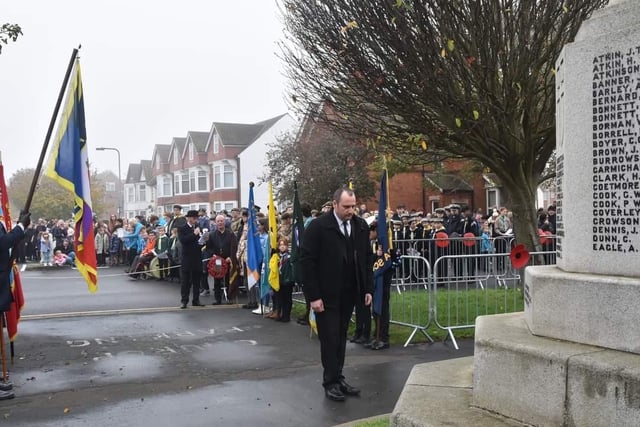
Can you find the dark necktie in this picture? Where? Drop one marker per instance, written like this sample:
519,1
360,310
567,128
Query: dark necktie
346,230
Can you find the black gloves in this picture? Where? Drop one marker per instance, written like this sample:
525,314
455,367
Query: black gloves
25,219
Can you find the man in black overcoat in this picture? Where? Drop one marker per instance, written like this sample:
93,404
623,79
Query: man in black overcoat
337,268
191,269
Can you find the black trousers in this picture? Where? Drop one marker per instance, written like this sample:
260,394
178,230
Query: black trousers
382,321
363,319
286,300
190,282
333,324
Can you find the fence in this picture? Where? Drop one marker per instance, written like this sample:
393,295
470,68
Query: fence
461,279
447,283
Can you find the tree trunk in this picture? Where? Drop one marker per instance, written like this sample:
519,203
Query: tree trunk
525,222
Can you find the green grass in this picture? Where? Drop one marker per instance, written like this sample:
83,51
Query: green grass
380,422
454,308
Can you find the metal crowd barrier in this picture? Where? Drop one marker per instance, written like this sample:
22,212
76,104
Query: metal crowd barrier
460,278
411,305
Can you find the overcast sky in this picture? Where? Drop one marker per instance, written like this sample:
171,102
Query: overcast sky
151,70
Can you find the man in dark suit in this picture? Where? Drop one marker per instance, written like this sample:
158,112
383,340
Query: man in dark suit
337,268
191,269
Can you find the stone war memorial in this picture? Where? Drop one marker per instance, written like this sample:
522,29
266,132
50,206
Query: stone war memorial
573,357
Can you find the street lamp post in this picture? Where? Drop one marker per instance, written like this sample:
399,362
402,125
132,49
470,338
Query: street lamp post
121,198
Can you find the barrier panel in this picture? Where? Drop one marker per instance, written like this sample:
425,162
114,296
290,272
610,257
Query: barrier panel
450,282
411,304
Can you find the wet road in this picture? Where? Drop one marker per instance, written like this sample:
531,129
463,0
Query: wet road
127,356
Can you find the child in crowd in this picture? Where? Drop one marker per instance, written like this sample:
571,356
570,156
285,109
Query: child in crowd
102,245
46,249
161,251
60,258
286,282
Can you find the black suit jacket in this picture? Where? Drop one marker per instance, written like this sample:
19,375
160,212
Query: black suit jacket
322,255
191,249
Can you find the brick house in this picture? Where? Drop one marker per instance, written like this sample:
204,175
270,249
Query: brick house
424,188
209,170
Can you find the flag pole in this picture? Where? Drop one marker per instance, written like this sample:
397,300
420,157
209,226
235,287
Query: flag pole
52,123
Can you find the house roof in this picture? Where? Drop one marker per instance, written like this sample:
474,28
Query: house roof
199,139
133,173
243,135
163,151
148,171
447,182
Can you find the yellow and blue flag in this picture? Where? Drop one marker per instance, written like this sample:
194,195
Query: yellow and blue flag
69,167
254,249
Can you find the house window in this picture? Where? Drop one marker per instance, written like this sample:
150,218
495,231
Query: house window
218,206
131,195
185,183
435,204
191,151
224,177
192,181
157,162
166,187
216,142
202,181
492,199
142,193
110,187
176,184
175,157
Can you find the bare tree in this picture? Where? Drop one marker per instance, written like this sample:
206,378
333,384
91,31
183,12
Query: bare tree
468,78
319,166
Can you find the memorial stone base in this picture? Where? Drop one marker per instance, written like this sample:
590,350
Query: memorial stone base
548,382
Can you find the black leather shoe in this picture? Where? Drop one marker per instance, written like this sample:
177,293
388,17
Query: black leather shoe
183,306
216,303
347,389
197,304
355,338
334,393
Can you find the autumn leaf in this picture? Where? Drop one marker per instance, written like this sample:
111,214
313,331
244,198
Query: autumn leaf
67,410
350,26
443,53
423,144
565,9
451,45
553,71
399,3
458,122
471,60
476,114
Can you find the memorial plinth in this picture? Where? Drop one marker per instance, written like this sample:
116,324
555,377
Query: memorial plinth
573,357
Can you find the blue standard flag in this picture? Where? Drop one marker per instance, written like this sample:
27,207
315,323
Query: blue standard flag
69,167
383,263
